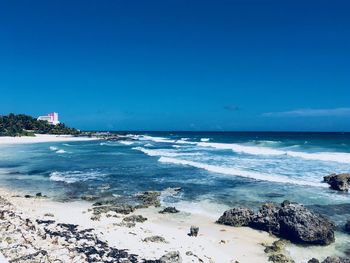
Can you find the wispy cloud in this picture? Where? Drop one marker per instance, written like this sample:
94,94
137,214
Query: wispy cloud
310,113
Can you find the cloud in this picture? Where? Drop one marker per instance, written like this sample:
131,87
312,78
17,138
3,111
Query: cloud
340,112
231,108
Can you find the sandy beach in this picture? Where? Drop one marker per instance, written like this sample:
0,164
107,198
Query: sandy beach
215,243
38,138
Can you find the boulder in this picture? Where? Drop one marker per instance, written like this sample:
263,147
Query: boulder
171,257
336,260
194,231
236,217
169,210
291,221
149,198
340,182
313,260
347,226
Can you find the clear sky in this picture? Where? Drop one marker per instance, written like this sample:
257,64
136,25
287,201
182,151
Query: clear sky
178,65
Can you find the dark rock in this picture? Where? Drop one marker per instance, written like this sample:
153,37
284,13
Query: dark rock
169,210
155,239
194,231
38,195
289,220
149,198
276,246
89,197
280,258
313,260
171,257
135,218
347,226
236,217
336,260
338,182
28,196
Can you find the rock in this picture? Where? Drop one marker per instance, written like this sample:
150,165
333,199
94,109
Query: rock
338,182
236,217
155,239
313,260
347,226
149,198
89,197
280,258
171,257
291,221
276,246
135,218
193,231
38,195
169,210
28,196
336,260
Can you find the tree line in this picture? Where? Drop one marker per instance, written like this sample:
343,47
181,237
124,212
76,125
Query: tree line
25,125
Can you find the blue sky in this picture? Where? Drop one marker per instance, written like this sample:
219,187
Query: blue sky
178,65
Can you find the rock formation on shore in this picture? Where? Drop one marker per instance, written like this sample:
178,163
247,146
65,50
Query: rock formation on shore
291,221
340,182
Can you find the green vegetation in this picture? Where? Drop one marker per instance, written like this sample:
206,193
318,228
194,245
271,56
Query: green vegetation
24,125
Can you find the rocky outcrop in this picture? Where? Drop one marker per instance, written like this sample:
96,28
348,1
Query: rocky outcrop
340,182
291,221
171,257
336,260
169,210
149,198
236,217
347,226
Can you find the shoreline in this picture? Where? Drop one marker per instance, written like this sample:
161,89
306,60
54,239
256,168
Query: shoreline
215,243
41,138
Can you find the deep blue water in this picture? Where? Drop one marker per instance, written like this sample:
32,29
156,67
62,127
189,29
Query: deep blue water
215,170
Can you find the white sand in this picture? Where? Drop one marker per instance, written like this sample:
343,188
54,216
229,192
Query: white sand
42,138
215,243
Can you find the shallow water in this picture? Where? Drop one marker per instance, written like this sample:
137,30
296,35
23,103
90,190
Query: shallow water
215,170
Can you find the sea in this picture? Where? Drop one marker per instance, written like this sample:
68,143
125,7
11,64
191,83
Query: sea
215,170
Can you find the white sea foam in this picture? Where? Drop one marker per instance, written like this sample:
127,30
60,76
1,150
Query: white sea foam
239,172
256,150
53,148
61,151
155,139
74,176
163,152
148,145
126,142
205,140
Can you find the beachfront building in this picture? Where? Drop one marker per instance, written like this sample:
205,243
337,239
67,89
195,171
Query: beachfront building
51,118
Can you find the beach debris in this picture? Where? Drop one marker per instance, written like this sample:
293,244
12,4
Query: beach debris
155,239
149,198
289,220
171,257
169,210
194,231
340,182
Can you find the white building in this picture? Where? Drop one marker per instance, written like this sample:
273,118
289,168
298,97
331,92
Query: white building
51,118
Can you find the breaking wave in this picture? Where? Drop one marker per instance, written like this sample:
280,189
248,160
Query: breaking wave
70,177
241,173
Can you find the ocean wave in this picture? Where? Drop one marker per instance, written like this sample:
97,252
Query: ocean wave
61,151
155,139
53,148
205,139
241,173
126,142
163,152
70,177
256,150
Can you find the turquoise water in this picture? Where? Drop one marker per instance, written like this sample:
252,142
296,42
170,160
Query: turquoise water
215,170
